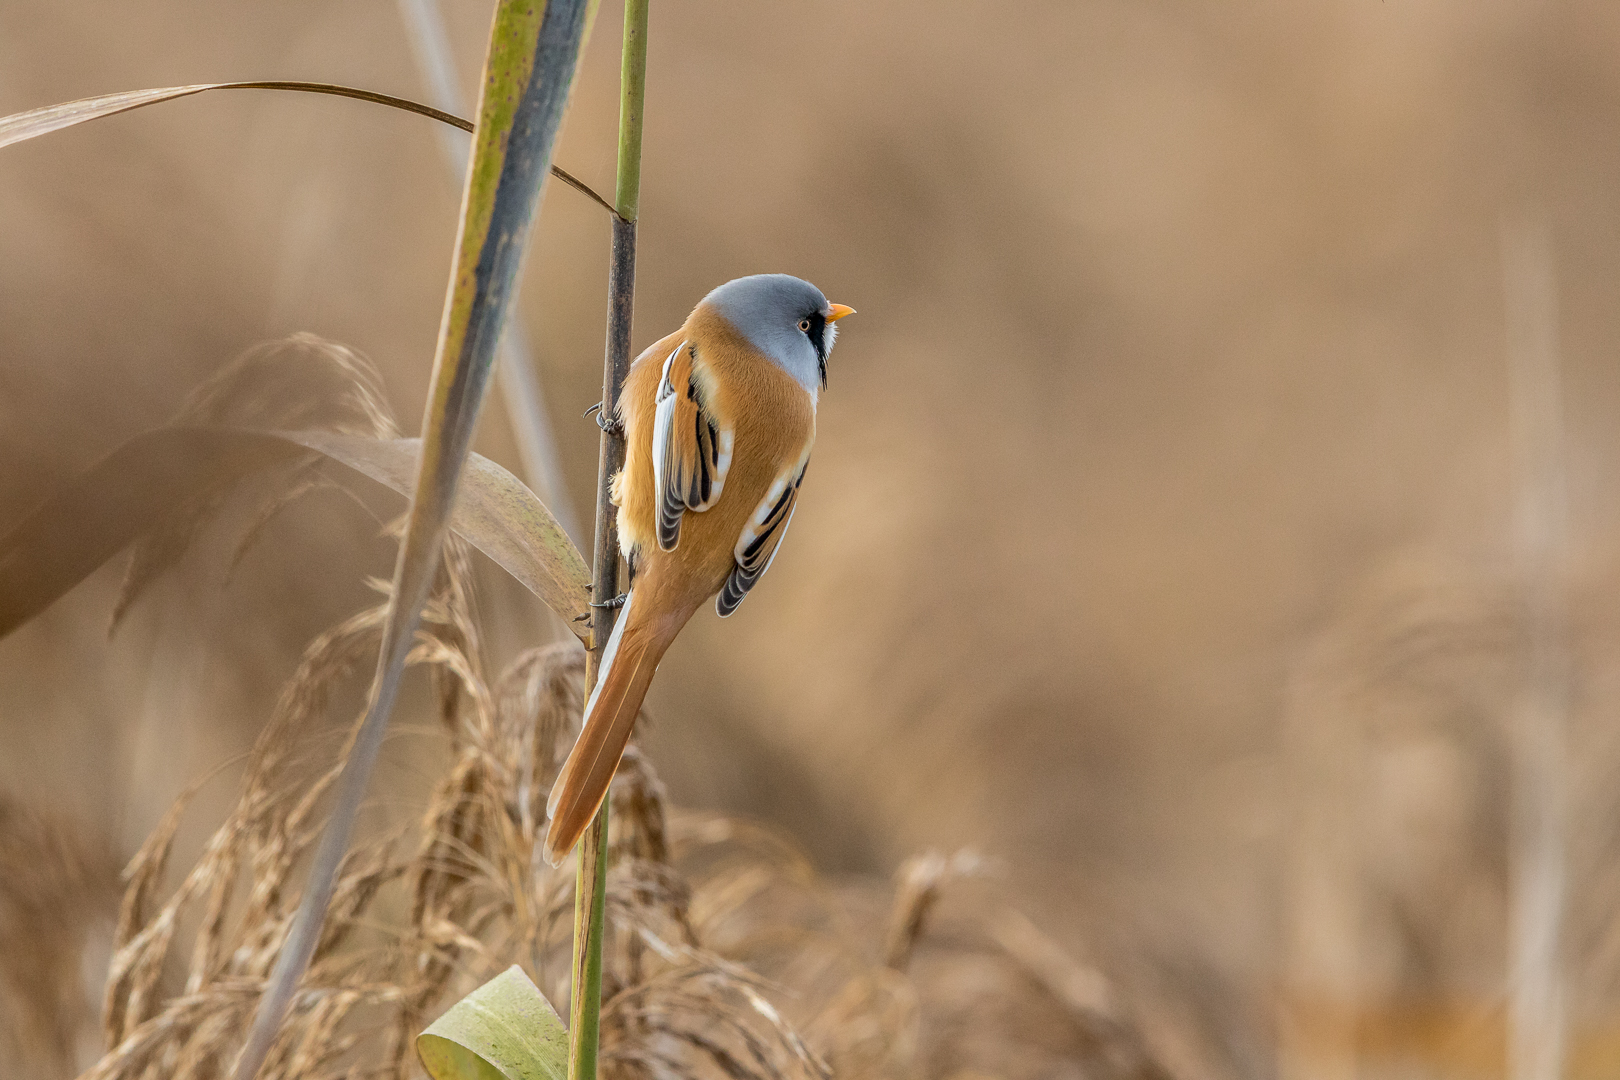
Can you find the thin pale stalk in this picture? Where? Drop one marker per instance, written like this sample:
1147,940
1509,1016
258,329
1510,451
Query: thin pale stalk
533,54
591,889
515,376
1537,856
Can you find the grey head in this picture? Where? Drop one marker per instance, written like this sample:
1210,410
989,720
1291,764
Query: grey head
787,319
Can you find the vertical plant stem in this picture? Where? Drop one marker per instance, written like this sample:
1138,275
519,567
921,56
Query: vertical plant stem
632,99
591,888
590,901
534,51
1536,860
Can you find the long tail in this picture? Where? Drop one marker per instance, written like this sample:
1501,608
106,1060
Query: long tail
632,655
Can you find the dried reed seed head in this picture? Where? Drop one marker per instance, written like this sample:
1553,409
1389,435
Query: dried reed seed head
302,382
141,941
539,699
478,866
266,836
869,1027
704,1015
637,819
168,1034
919,881
364,872
689,1013
144,873
465,708
649,897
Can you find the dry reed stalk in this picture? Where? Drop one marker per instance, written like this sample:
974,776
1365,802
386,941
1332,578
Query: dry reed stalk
1538,841
1083,990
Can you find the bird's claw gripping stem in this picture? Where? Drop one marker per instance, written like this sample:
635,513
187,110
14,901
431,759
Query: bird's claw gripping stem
606,421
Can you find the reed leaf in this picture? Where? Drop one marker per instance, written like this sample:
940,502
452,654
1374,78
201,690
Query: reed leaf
20,127
494,512
504,1030
145,481
529,70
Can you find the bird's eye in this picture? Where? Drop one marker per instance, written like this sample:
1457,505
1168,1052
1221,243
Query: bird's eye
804,325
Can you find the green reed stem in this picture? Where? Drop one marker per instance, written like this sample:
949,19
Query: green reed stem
632,100
591,888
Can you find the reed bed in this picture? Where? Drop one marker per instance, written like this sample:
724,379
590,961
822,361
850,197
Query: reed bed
726,954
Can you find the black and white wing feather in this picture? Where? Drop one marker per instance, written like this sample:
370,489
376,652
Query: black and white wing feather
691,446
761,537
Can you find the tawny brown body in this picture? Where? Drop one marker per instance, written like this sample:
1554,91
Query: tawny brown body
738,439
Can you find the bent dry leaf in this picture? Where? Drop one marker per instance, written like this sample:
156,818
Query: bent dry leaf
534,51
494,512
504,1030
20,127
126,494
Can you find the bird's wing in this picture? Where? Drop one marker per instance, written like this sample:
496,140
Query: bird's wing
691,449
760,538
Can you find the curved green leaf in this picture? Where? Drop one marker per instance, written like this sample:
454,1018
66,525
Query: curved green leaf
504,1030
120,498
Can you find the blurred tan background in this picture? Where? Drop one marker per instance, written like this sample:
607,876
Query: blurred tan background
1177,402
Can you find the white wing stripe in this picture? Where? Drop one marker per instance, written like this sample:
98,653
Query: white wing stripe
768,503
676,492
728,438
722,464
664,387
778,547
662,420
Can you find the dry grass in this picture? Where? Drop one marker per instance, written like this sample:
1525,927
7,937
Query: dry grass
727,955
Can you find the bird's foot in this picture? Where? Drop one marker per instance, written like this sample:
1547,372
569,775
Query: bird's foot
606,421
617,602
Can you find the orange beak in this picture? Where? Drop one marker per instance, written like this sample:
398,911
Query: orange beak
838,311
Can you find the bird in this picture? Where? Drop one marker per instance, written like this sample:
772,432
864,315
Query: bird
718,420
